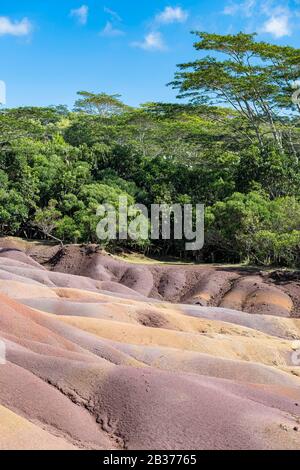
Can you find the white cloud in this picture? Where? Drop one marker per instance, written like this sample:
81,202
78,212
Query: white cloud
244,8
172,15
278,25
152,42
231,9
14,28
276,18
113,14
81,14
110,31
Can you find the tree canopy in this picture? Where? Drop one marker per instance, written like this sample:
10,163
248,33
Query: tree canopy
232,144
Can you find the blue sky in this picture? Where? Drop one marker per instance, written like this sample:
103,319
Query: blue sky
50,49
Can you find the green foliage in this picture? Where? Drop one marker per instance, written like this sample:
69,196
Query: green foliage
234,147
252,227
102,104
254,78
13,211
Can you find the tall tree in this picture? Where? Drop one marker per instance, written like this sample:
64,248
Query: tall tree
254,78
102,104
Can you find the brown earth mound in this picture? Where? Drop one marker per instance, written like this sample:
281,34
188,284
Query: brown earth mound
241,289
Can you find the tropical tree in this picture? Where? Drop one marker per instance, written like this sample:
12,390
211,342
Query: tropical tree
254,78
102,104
46,220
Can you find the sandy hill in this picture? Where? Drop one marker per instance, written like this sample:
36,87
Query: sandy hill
104,354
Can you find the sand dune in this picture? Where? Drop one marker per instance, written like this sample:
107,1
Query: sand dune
101,354
19,433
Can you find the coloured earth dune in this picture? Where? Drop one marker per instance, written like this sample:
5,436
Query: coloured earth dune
101,353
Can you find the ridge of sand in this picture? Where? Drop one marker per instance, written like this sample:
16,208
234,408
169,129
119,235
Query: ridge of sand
97,357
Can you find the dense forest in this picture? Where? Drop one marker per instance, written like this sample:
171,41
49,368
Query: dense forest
231,142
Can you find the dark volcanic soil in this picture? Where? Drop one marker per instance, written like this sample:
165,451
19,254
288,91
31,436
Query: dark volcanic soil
253,291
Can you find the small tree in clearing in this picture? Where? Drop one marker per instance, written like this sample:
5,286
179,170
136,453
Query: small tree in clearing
46,220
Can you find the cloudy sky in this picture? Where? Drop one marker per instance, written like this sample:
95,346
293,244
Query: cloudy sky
52,48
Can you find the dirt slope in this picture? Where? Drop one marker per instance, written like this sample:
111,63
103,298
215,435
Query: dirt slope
98,358
248,290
